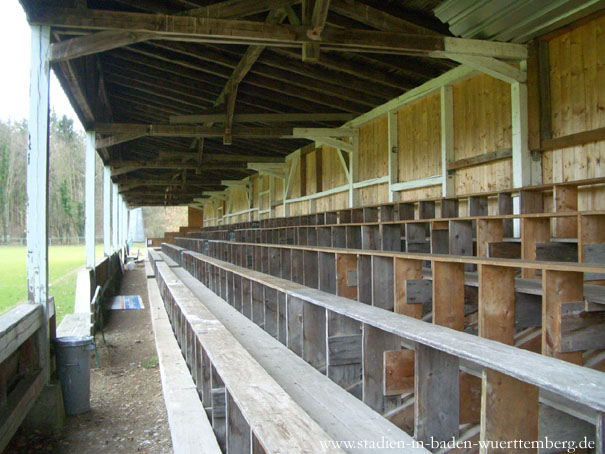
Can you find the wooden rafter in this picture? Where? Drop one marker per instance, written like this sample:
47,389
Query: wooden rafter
94,43
262,118
238,8
236,31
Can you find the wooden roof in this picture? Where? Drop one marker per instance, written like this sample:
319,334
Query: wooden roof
136,71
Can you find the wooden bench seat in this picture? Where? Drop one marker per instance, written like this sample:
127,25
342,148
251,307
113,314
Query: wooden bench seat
259,412
190,429
341,414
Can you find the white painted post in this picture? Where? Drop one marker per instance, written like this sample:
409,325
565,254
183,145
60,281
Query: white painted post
393,153
89,205
37,184
354,173
107,211
447,139
520,140
114,220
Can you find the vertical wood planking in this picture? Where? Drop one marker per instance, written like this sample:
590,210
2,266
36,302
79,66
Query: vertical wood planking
314,335
437,403
533,231
382,282
497,303
327,272
364,278
346,275
448,295
565,198
488,231
505,206
375,343
558,287
295,324
509,411
238,430
406,269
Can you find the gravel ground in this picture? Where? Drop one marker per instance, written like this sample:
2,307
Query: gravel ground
127,406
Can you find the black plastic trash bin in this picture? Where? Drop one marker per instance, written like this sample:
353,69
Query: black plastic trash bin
73,369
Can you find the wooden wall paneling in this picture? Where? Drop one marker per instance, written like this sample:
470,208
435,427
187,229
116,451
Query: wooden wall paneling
505,206
339,237
559,287
415,237
282,320
370,237
310,268
354,237
565,199
440,243
274,257
238,431
297,266
314,335
509,410
258,306
364,279
346,275
448,295
533,231
375,343
327,272
295,324
286,263
488,231
271,311
344,350
382,282
437,395
324,236
391,237
247,298
591,230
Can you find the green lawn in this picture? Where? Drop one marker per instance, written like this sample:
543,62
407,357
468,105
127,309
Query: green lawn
64,261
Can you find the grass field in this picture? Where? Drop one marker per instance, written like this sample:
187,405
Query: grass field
64,262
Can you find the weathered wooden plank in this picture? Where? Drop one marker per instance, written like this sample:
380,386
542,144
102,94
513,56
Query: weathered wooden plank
375,342
314,335
448,295
533,231
344,350
437,392
398,372
383,283
558,287
406,270
346,275
504,250
582,330
557,252
509,411
497,303
489,231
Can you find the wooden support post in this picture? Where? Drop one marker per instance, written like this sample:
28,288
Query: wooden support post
447,139
437,404
522,165
238,430
314,335
448,295
37,185
89,218
393,153
558,287
509,411
565,198
488,231
346,275
406,269
497,303
533,231
107,211
505,206
375,343
382,282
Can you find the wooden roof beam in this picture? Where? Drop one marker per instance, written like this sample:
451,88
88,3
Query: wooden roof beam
262,118
94,43
238,8
235,31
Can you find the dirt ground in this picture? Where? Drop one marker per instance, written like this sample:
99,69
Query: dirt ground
127,406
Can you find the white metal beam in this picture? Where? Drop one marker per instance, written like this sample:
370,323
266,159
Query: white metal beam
420,183
37,184
89,206
107,210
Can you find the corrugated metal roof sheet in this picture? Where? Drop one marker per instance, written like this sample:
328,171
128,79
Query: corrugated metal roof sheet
511,20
